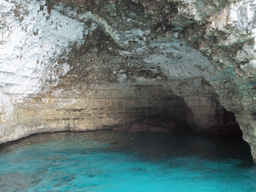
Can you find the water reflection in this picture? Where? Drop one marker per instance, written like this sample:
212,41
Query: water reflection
125,161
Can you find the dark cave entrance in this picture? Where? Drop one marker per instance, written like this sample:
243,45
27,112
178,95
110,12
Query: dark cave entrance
229,127
176,118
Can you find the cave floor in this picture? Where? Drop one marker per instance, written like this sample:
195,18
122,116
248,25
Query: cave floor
126,161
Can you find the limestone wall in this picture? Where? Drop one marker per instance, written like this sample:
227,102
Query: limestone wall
101,106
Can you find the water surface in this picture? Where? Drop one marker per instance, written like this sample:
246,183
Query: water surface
121,161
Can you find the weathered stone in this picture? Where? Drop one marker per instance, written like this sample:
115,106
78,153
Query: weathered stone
82,65
138,128
158,129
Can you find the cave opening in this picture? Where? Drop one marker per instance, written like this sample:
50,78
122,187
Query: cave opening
178,117
127,95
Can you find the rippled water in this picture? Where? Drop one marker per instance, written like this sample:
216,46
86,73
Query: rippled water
121,161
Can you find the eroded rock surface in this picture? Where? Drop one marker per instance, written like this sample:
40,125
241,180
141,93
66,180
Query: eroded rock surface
86,65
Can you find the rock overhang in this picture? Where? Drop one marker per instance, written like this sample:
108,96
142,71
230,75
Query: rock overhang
200,51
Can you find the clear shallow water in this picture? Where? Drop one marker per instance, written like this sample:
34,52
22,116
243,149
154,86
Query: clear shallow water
121,161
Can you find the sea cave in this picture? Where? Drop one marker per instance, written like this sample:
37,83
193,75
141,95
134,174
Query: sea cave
128,66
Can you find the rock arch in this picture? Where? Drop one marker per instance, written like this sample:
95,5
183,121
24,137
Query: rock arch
82,65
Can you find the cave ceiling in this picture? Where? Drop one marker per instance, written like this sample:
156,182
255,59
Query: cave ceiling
62,55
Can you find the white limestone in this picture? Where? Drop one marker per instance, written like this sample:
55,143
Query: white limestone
29,50
33,46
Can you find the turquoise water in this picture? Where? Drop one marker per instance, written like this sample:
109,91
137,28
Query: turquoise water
119,161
